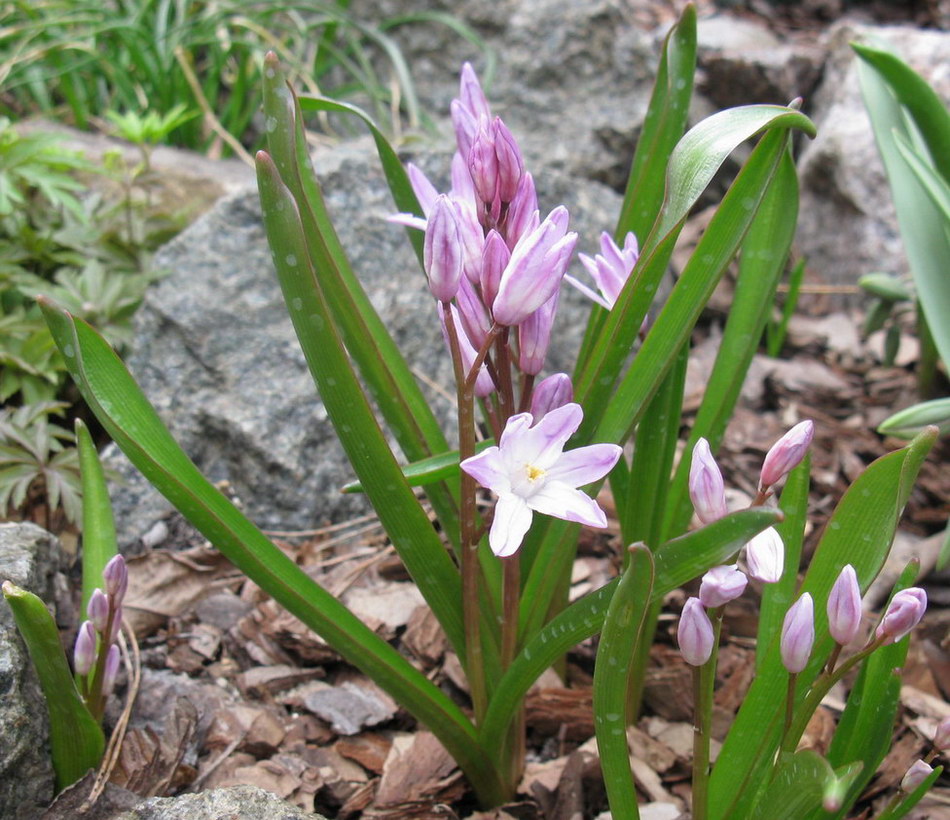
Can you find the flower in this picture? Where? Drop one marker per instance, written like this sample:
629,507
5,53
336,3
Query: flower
97,610
84,652
903,613
116,578
706,488
529,472
695,633
786,453
798,634
844,607
765,556
609,269
550,393
915,775
442,250
721,585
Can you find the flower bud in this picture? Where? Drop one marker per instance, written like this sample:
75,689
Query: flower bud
509,162
550,393
798,634
942,736
97,610
483,165
475,320
116,624
695,633
84,652
116,578
765,556
442,250
721,585
706,487
534,336
844,607
471,94
521,211
423,189
916,775
903,613
110,670
786,453
495,256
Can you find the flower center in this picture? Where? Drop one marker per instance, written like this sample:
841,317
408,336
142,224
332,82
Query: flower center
533,473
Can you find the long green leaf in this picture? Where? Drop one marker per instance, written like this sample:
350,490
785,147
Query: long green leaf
621,634
428,470
859,533
98,525
762,260
797,788
679,561
76,740
921,222
398,509
125,413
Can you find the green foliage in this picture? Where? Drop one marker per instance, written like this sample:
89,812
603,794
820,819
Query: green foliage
154,60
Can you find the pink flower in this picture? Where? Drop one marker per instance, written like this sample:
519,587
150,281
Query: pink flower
550,393
903,613
609,269
706,487
721,585
84,652
695,633
529,472
786,453
116,578
915,775
442,251
798,634
844,607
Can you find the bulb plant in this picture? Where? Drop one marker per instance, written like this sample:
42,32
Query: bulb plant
496,578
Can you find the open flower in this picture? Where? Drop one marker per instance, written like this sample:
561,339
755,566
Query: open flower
530,473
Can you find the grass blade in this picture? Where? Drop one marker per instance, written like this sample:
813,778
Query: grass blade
98,525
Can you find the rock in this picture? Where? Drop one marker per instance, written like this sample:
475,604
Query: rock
216,353
29,557
843,180
238,802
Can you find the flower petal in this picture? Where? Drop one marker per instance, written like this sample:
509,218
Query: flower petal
585,464
543,443
563,501
512,520
488,468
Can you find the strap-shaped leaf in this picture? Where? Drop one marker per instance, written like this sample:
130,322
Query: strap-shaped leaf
679,561
398,509
796,789
621,634
761,262
125,413
98,525
859,533
76,739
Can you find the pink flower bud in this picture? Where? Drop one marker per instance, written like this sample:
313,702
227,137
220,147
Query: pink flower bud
442,251
550,393
116,578
786,453
475,320
798,634
465,125
844,607
521,211
903,613
463,189
97,610
721,585
535,269
483,165
695,633
706,487
110,670
765,556
423,189
942,736
495,257
916,775
84,652
509,161
534,336
471,94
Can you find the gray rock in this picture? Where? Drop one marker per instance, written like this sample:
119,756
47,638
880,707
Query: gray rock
847,224
29,558
216,353
234,803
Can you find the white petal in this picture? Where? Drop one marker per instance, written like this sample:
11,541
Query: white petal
409,220
488,469
765,556
543,443
512,520
585,464
562,501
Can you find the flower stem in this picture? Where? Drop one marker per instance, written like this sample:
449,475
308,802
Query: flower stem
704,681
471,612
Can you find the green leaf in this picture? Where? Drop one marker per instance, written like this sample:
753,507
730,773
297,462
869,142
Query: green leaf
98,525
888,88
910,421
399,511
778,330
761,263
885,286
679,561
859,532
621,634
133,424
76,739
797,788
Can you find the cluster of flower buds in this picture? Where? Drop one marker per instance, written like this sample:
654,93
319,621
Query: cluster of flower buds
765,553
903,613
96,655
695,633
